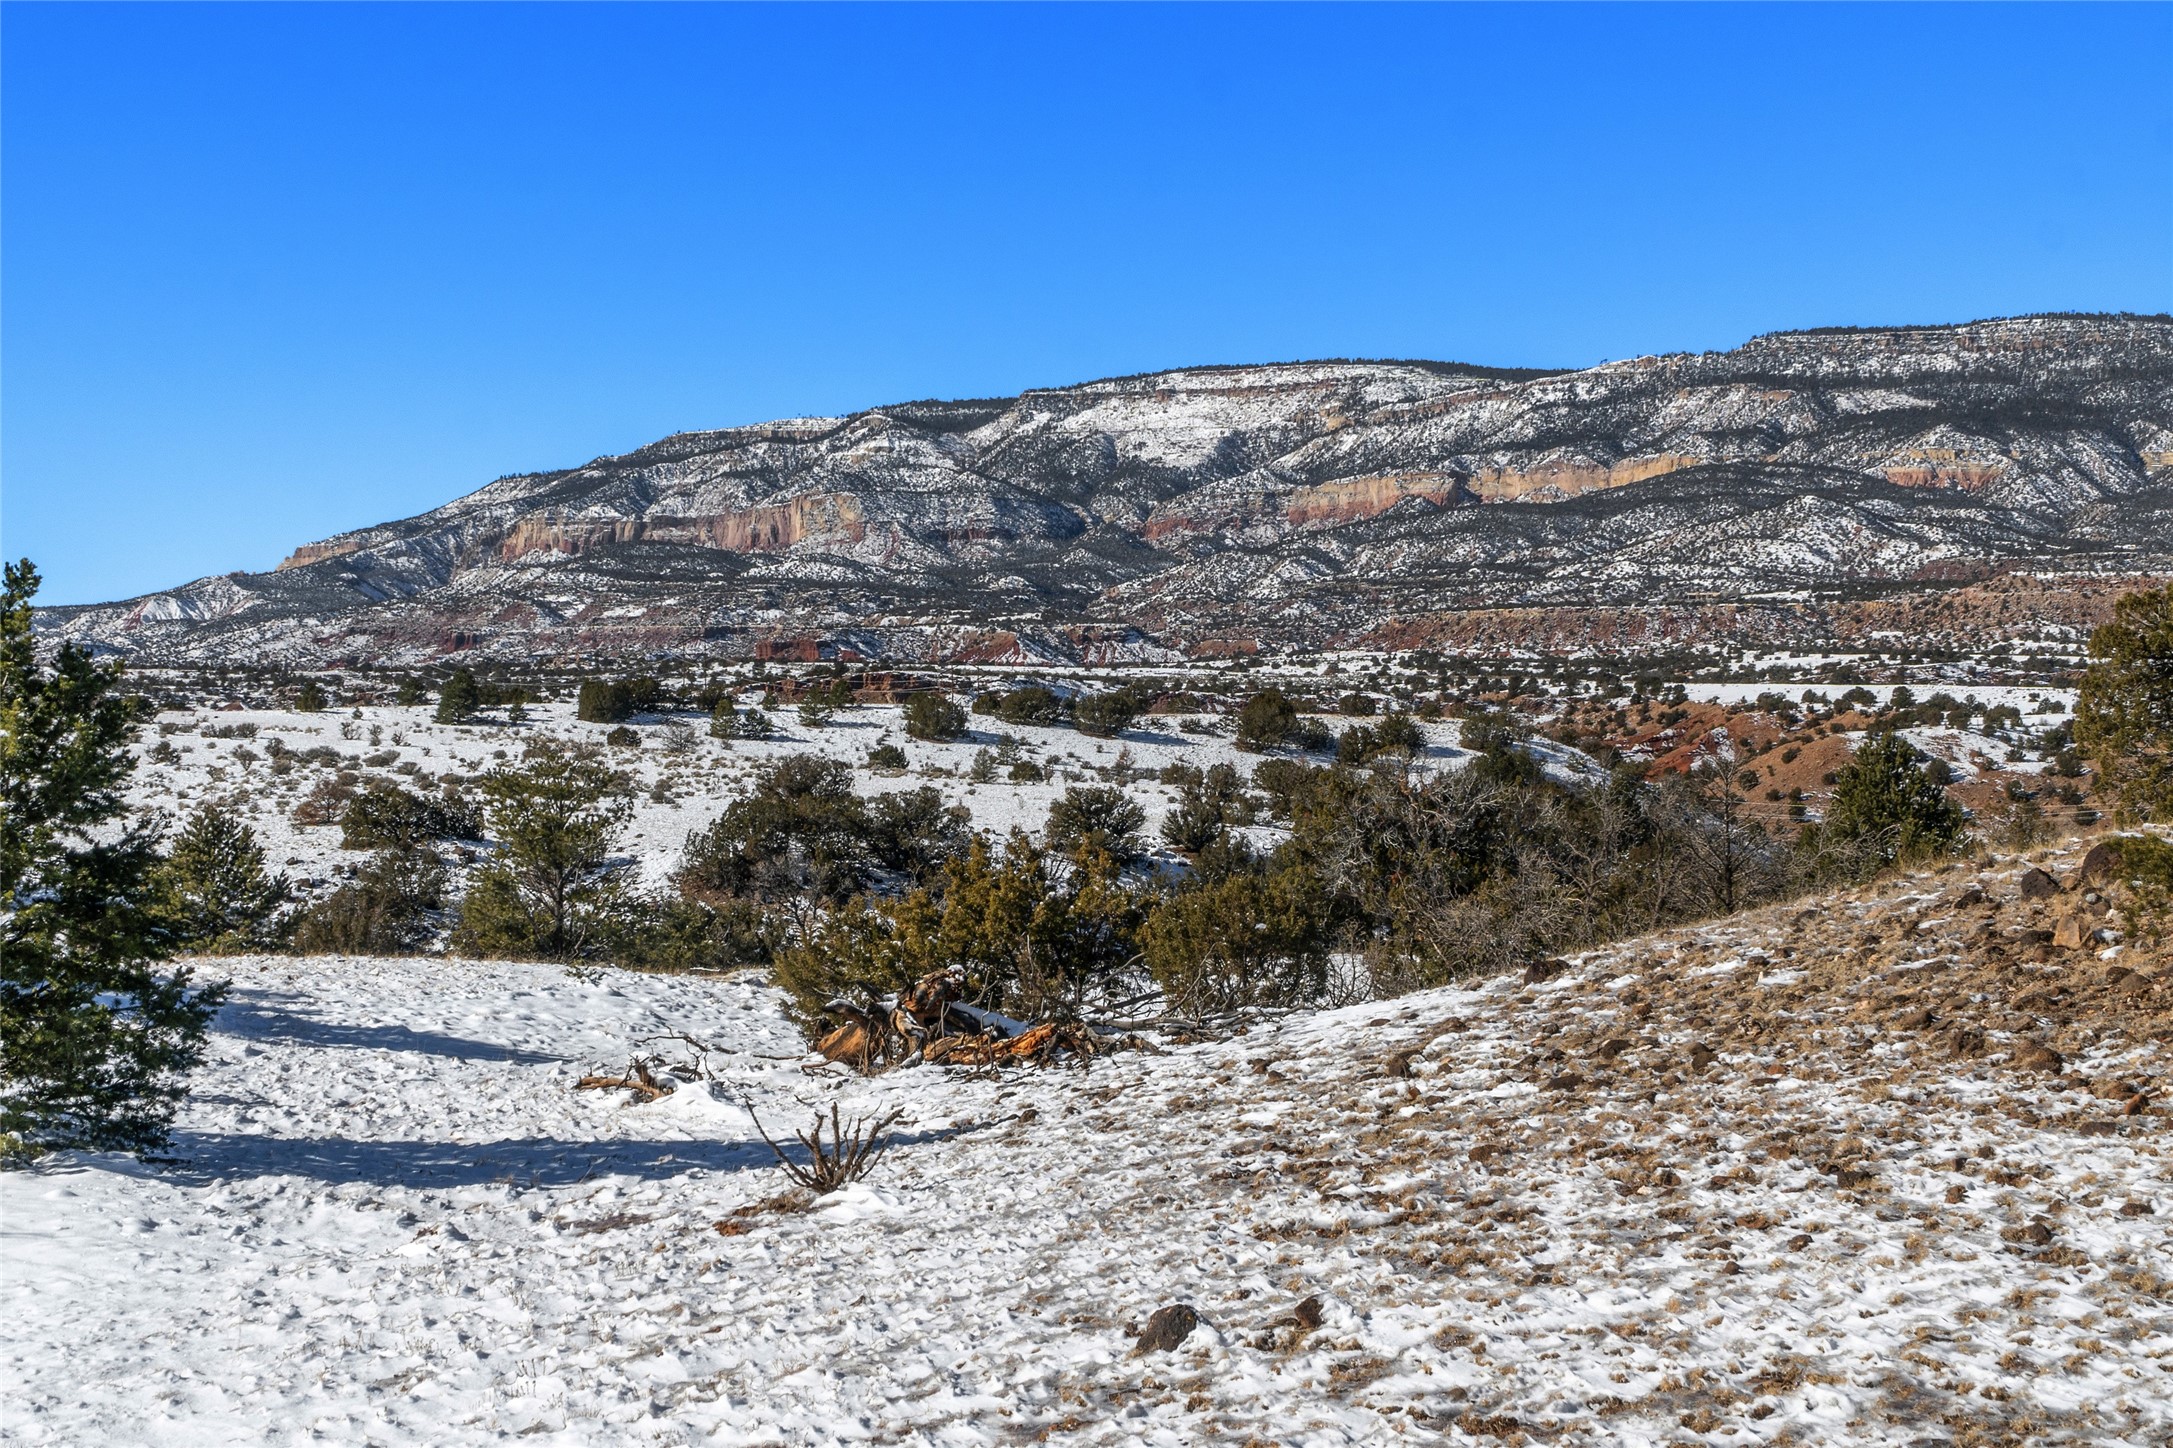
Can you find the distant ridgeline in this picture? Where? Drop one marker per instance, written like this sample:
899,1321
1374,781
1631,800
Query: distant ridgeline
1945,486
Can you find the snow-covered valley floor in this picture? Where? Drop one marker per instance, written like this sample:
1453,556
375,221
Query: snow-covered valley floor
393,1220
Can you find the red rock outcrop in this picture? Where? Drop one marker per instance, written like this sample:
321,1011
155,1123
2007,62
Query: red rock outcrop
310,553
1567,480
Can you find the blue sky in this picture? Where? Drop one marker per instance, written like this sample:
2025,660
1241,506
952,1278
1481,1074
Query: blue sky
271,272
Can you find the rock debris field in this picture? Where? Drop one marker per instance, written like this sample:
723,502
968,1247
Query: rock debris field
1884,1169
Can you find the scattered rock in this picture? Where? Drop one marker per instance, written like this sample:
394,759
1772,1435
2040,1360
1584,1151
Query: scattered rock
1914,1020
2037,1056
1399,1063
1609,1049
2036,1234
2134,1208
2098,1128
2098,864
1540,970
2068,933
1491,1425
1308,1314
1168,1327
2037,885
1702,1056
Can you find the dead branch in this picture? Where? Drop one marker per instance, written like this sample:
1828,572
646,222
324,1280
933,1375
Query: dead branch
1038,1046
639,1080
696,1070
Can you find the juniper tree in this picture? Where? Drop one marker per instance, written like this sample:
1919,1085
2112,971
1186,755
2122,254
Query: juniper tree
1105,716
934,715
95,1040
1099,816
1267,719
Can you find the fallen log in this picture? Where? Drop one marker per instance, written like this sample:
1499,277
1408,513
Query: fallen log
638,1079
1037,1046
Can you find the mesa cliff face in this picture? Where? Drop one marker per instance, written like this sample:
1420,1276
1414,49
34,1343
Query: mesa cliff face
1296,504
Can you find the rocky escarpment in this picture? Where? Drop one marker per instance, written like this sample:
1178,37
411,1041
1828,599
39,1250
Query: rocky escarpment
1302,504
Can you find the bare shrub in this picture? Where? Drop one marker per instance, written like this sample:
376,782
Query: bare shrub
850,1153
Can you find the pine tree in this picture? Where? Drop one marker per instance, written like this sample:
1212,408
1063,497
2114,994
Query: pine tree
458,698
94,1039
309,699
2124,710
214,890
1885,806
553,889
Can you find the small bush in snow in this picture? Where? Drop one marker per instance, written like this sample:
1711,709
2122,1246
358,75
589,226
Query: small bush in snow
1100,816
387,910
934,716
214,891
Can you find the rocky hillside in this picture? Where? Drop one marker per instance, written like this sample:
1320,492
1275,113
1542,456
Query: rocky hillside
1775,490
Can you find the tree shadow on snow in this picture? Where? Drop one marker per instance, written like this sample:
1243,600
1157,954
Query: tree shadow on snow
195,1157
1162,737
261,1016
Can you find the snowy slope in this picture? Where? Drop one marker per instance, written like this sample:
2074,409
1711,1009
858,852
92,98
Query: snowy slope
394,1221
699,778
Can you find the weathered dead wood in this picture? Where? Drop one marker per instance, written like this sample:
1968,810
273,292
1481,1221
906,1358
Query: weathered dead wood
860,1042
1038,1045
639,1079
930,1023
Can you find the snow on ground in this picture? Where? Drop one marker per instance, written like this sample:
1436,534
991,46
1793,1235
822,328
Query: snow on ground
393,1220
1962,748
701,776
1990,696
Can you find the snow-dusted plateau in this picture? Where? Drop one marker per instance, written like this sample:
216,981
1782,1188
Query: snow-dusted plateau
1871,1168
1959,486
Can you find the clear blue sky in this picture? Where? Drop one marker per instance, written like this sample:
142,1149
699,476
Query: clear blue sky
275,271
